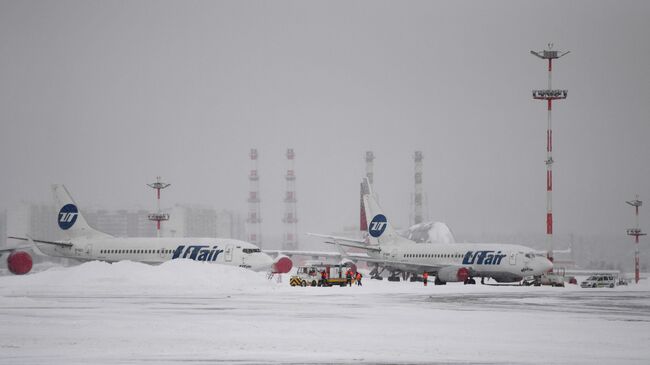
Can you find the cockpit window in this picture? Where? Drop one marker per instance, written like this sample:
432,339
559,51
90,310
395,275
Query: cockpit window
251,250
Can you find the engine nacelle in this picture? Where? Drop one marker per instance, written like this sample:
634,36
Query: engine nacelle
453,274
282,265
19,262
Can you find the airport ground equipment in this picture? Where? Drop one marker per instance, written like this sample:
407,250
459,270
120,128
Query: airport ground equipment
553,278
310,275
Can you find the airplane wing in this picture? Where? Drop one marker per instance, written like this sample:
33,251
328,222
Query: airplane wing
404,266
338,238
3,250
61,244
347,242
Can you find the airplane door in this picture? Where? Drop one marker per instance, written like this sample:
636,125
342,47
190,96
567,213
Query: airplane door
228,253
89,250
513,259
393,254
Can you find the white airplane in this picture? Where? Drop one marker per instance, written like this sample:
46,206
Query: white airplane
457,262
85,243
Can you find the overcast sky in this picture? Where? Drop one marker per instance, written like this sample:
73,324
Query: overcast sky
104,96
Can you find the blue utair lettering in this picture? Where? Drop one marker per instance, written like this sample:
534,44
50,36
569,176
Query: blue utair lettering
197,253
483,258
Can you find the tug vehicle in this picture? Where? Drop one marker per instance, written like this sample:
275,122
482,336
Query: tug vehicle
310,275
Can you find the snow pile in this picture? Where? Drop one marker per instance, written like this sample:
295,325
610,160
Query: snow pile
182,277
440,233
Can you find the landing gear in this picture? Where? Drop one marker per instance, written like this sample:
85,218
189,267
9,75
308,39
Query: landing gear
376,274
438,282
394,276
470,281
415,278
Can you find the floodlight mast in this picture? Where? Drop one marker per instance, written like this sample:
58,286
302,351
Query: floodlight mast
636,232
158,216
549,95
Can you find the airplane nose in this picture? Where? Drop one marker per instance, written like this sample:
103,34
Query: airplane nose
266,262
262,262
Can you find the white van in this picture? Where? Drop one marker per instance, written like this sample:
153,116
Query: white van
600,281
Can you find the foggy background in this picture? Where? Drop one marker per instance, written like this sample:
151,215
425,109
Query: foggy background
105,96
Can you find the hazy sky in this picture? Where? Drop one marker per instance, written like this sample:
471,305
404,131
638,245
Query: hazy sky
104,96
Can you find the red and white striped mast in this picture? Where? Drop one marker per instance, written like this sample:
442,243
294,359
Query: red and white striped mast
158,216
254,231
417,196
549,95
290,218
636,232
370,175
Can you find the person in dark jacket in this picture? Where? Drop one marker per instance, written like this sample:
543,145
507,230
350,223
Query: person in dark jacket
348,277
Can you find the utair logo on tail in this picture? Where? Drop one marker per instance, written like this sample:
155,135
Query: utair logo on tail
67,216
377,226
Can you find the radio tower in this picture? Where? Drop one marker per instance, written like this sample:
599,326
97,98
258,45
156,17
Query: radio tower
636,232
158,216
549,95
363,220
290,215
417,197
370,157
254,231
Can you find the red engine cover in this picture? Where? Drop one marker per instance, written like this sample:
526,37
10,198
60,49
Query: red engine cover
463,274
282,265
19,262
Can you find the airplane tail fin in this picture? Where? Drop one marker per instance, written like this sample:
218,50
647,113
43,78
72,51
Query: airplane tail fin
363,219
380,230
69,219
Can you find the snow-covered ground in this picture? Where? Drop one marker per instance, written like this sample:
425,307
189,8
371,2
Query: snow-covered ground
184,311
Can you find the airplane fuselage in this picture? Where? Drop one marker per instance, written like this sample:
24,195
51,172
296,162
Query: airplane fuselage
503,262
158,250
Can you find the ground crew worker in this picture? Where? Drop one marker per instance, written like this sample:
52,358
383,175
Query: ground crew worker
323,278
425,278
359,278
348,277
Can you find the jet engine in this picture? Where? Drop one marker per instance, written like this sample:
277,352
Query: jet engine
282,265
19,262
453,274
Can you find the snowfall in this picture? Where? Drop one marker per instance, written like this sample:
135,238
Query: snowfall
186,311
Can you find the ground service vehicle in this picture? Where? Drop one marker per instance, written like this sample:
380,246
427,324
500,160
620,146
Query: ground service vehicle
600,281
310,275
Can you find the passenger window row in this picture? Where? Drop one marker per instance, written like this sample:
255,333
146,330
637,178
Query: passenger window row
431,255
135,251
